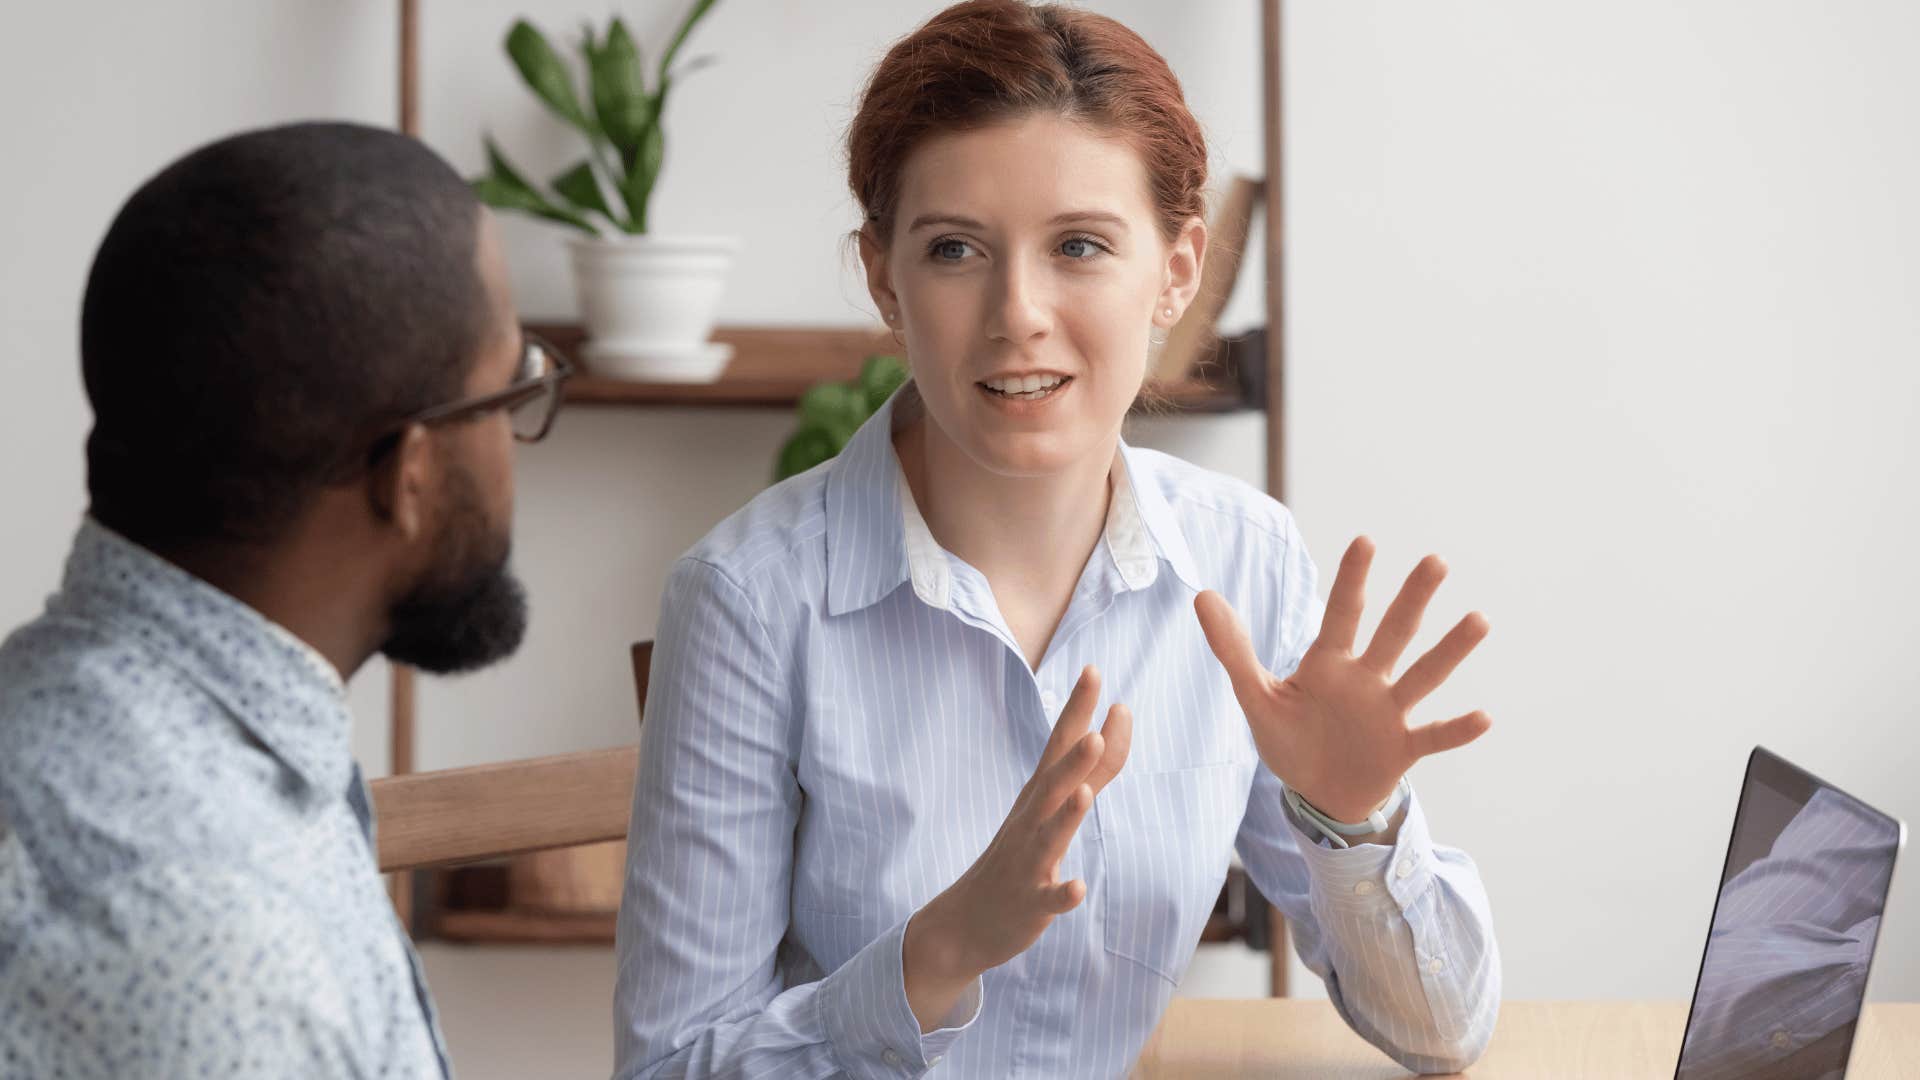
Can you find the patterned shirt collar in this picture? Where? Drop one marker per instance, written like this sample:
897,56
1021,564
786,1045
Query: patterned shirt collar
877,537
276,685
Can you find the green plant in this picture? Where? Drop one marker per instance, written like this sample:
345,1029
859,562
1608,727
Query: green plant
620,119
831,412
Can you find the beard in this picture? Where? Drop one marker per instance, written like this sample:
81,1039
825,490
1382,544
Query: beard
468,612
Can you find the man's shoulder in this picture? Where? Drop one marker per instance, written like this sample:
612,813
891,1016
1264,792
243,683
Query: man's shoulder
62,683
111,757
71,689
170,968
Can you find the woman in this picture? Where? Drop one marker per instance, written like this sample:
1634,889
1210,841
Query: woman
875,830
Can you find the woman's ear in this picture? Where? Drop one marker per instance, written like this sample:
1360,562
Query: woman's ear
873,255
398,487
1185,257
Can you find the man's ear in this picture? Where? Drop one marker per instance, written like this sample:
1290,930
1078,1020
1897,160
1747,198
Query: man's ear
399,485
1185,257
873,255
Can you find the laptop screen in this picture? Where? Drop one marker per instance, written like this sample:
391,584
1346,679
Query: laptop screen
1785,969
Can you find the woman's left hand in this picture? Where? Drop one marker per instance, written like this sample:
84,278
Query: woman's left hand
1335,731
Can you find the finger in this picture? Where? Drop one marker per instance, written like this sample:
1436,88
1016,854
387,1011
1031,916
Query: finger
1232,646
1058,831
1342,618
1056,784
1432,669
1444,735
1118,733
1064,896
1074,719
1402,619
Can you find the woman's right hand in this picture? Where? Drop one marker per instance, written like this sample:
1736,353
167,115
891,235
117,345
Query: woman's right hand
1009,895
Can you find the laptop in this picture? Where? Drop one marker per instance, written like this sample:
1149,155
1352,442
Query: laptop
1784,973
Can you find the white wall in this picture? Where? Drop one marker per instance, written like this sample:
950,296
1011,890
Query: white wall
1615,305
1610,305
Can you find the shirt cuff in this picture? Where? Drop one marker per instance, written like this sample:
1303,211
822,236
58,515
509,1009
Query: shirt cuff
869,1023
1368,877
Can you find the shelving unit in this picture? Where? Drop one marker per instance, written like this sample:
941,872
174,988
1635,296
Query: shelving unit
772,367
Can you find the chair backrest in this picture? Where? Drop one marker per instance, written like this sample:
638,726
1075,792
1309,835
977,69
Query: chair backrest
642,665
454,816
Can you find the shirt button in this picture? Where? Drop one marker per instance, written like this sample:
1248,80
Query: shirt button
1050,701
1365,888
934,1060
1404,869
1781,1040
1434,965
890,1057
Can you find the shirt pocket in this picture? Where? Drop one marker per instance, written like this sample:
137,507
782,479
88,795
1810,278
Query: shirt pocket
1166,839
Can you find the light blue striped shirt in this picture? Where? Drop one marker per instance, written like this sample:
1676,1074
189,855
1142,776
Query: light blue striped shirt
837,723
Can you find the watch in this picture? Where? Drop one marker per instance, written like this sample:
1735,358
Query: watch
1338,831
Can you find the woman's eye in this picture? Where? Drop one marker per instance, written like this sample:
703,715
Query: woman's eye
1080,248
949,250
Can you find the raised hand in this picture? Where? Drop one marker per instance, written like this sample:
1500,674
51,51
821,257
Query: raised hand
1011,892
1336,730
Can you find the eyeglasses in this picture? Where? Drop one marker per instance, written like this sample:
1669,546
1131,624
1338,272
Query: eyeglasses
530,401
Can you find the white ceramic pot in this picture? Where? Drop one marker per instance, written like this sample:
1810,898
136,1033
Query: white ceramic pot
649,304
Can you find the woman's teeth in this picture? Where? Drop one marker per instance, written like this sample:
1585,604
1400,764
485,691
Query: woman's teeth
1026,387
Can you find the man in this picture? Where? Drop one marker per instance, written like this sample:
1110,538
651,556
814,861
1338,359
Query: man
306,375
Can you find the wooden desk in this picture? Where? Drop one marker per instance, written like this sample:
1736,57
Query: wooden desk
1561,1040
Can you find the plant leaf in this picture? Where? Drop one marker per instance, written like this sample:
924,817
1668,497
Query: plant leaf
504,188
805,449
620,99
644,169
502,195
880,376
502,168
694,65
694,15
547,75
838,408
579,187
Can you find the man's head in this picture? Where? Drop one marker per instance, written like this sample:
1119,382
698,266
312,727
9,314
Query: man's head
262,321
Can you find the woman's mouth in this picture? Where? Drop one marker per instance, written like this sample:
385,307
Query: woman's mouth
1025,387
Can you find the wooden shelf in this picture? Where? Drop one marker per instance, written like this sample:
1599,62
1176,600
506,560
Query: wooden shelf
1236,914
473,904
772,366
507,926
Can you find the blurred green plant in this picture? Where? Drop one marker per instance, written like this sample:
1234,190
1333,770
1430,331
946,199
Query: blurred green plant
832,411
620,118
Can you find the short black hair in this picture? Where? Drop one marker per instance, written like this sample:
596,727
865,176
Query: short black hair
256,309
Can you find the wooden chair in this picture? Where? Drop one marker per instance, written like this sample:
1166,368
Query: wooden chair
485,813
454,816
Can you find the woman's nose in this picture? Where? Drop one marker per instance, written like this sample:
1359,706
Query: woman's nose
1020,311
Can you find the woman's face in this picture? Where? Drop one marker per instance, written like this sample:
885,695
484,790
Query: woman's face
1025,272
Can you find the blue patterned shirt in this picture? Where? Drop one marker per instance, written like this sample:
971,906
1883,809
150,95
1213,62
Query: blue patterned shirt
187,886
838,720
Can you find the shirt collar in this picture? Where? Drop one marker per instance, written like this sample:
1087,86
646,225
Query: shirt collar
276,685
877,537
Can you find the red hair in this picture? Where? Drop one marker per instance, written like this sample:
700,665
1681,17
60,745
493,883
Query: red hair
982,62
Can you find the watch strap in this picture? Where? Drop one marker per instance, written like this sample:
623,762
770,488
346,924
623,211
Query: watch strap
1338,831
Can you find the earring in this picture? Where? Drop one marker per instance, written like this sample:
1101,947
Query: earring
1168,312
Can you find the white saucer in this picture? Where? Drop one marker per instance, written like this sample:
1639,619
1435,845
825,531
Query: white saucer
701,364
